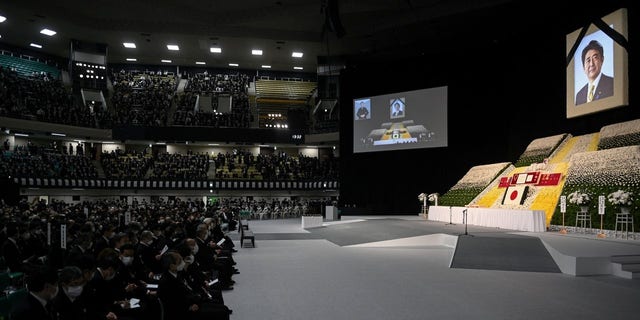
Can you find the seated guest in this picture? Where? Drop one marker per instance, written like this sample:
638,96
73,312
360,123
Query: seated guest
148,255
70,303
179,299
207,285
11,251
208,259
42,283
104,299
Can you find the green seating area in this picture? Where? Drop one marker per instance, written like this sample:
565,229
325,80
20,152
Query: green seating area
26,67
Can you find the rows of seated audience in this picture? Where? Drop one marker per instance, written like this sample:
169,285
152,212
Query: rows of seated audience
142,99
167,166
39,162
167,262
138,99
280,166
41,100
121,164
235,85
61,160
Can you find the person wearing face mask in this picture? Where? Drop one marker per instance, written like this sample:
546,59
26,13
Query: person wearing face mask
147,252
70,303
195,275
178,298
104,298
42,284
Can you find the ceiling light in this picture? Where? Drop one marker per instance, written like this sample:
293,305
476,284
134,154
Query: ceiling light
58,134
35,45
233,64
105,142
2,19
215,50
297,54
48,32
266,66
256,52
165,61
132,59
298,68
213,144
173,47
200,62
130,45
20,134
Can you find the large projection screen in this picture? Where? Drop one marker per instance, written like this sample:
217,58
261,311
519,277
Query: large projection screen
608,73
399,121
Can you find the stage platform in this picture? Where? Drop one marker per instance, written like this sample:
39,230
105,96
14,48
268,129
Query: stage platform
405,267
578,254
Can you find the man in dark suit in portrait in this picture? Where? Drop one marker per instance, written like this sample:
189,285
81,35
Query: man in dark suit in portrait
397,110
600,85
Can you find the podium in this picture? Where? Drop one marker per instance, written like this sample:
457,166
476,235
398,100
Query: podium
331,213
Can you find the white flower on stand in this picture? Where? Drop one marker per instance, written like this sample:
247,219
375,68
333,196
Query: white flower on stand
579,198
422,196
620,198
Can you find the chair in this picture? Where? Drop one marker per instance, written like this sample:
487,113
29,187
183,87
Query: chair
582,217
623,220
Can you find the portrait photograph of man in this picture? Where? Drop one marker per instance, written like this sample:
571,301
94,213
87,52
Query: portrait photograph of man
594,70
397,109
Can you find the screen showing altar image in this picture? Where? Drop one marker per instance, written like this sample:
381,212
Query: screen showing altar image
398,121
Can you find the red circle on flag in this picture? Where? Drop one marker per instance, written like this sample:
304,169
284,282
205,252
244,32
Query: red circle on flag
513,195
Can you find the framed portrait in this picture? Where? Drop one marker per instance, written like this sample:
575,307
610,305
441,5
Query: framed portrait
597,67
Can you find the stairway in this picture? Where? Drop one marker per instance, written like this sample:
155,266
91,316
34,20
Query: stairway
211,173
627,267
99,169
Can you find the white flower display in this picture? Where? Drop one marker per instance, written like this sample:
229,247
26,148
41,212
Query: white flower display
422,196
433,197
481,176
620,198
620,129
617,166
579,198
544,146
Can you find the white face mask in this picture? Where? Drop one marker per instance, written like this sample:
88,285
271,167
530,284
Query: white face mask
127,261
195,249
189,259
75,291
181,266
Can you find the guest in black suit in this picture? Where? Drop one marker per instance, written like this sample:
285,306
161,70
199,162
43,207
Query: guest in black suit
70,302
592,60
179,299
36,305
104,300
208,258
104,241
10,250
148,255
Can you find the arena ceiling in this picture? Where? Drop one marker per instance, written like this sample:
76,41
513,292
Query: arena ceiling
317,28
